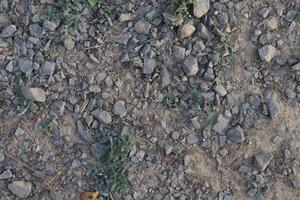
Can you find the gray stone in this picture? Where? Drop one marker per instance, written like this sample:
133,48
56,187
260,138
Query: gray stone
149,66
274,105
252,192
19,131
124,17
57,108
267,53
175,135
296,67
271,23
105,117
25,65
35,94
178,53
168,149
2,156
69,43
192,139
6,174
236,134
8,31
296,183
221,125
262,160
165,76
190,66
36,30
186,30
142,26
49,25
120,109
83,133
291,14
203,32
47,68
220,90
201,7
21,189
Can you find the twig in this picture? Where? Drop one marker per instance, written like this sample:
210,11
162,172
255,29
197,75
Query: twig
93,47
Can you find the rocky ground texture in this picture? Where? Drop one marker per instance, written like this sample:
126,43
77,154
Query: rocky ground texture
150,99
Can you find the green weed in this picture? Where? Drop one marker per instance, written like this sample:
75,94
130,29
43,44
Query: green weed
196,97
219,80
170,102
113,161
225,46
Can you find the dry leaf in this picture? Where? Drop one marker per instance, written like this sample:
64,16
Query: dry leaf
90,195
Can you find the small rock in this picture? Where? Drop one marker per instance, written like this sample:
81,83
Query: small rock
274,105
21,189
8,31
25,65
190,66
6,174
47,68
296,67
186,30
35,94
168,149
175,135
105,117
149,66
83,133
221,125
140,155
252,192
201,7
124,17
142,26
49,25
69,44
192,139
262,160
178,53
236,134
267,53
36,30
296,183
271,23
220,90
119,109
19,131
2,157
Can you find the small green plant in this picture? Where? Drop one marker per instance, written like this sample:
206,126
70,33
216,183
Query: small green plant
33,107
196,97
170,102
182,12
113,162
226,50
219,80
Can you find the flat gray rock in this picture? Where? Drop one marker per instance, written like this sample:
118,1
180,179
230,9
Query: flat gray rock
142,26
274,105
186,30
149,66
120,109
8,31
21,189
83,133
267,53
25,65
190,66
201,7
262,160
6,174
47,68
34,94
221,125
236,134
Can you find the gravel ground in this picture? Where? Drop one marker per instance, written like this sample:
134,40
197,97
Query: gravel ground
150,99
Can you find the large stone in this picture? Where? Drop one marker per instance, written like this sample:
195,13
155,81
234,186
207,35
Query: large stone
34,94
236,134
36,30
21,189
105,117
221,125
267,53
47,68
201,7
186,30
120,109
296,67
149,66
83,133
274,105
190,66
25,65
178,53
8,31
142,26
262,160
